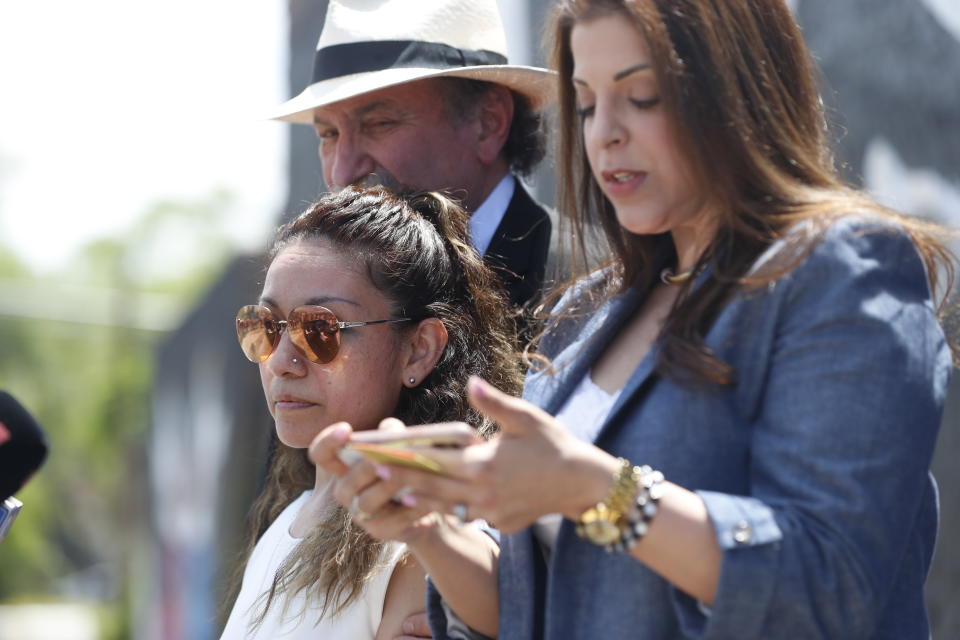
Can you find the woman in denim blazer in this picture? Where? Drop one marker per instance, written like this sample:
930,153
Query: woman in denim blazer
813,466
762,339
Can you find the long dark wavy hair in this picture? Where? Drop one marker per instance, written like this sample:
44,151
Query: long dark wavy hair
739,87
416,251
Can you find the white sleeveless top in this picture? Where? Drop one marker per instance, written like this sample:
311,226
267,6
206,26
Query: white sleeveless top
359,620
583,414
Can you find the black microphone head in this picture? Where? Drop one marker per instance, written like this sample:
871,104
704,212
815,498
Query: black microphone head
23,445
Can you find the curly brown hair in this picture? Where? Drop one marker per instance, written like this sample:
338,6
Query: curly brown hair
416,250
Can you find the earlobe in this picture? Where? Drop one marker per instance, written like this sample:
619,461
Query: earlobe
427,344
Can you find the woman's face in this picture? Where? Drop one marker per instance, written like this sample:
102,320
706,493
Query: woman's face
628,138
362,384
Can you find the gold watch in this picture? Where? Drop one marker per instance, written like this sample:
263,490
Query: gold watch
604,523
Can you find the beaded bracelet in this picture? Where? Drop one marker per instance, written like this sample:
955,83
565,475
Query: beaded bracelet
649,490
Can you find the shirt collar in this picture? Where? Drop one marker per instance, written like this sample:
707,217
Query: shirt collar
487,217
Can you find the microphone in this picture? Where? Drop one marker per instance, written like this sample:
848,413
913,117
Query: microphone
23,446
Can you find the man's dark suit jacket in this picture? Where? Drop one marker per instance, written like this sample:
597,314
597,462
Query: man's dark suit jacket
519,247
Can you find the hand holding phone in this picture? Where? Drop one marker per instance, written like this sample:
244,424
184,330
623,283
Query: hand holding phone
408,447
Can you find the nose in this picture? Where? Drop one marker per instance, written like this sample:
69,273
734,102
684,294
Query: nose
606,129
346,161
286,360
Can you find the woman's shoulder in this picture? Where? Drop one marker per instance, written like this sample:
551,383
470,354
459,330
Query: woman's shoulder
580,302
392,555
584,292
851,243
267,555
858,270
403,595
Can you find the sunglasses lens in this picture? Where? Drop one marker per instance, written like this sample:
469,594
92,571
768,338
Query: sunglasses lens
257,332
316,332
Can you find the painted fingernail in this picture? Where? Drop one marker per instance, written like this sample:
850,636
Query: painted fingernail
382,471
476,386
409,500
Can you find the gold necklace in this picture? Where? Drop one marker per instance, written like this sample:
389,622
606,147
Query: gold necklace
667,276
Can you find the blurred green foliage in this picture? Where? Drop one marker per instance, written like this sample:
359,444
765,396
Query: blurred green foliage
86,377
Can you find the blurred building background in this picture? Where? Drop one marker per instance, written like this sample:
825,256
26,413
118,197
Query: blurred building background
891,82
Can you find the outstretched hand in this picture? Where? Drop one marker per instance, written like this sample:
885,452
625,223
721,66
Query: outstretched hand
532,468
365,489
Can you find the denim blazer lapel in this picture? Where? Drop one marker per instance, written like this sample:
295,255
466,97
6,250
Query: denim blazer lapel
633,387
570,365
550,392
641,375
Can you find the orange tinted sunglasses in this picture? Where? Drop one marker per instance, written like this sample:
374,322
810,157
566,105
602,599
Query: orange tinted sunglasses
314,331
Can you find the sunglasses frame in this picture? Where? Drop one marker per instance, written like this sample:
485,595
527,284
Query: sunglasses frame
295,328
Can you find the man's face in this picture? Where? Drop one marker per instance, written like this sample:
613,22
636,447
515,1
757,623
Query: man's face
400,135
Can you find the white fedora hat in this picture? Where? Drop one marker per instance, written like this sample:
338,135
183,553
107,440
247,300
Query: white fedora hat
367,45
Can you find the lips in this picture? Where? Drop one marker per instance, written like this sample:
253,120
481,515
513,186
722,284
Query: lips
621,182
286,402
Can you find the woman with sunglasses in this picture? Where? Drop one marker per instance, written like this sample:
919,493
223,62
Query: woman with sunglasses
373,306
734,435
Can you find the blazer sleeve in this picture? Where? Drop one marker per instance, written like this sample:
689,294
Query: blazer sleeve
841,444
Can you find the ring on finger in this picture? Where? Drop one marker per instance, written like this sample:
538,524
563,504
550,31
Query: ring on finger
460,512
355,510
401,494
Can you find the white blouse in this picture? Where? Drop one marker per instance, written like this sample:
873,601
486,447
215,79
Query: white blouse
360,619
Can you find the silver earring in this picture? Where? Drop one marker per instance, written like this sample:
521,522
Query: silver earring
412,380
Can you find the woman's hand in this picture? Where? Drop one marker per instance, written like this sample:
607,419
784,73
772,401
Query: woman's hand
532,468
462,560
366,493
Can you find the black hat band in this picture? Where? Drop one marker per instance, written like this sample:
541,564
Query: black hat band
376,55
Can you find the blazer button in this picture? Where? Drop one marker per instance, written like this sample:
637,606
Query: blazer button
742,532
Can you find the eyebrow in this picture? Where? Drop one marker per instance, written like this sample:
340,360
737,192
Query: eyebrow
375,106
366,109
316,302
620,75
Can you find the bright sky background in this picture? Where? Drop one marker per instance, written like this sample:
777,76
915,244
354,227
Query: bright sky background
107,106
111,105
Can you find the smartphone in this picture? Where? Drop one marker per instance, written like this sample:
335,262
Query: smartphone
408,447
9,509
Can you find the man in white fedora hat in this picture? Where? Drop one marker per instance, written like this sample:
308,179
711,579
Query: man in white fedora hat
418,93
